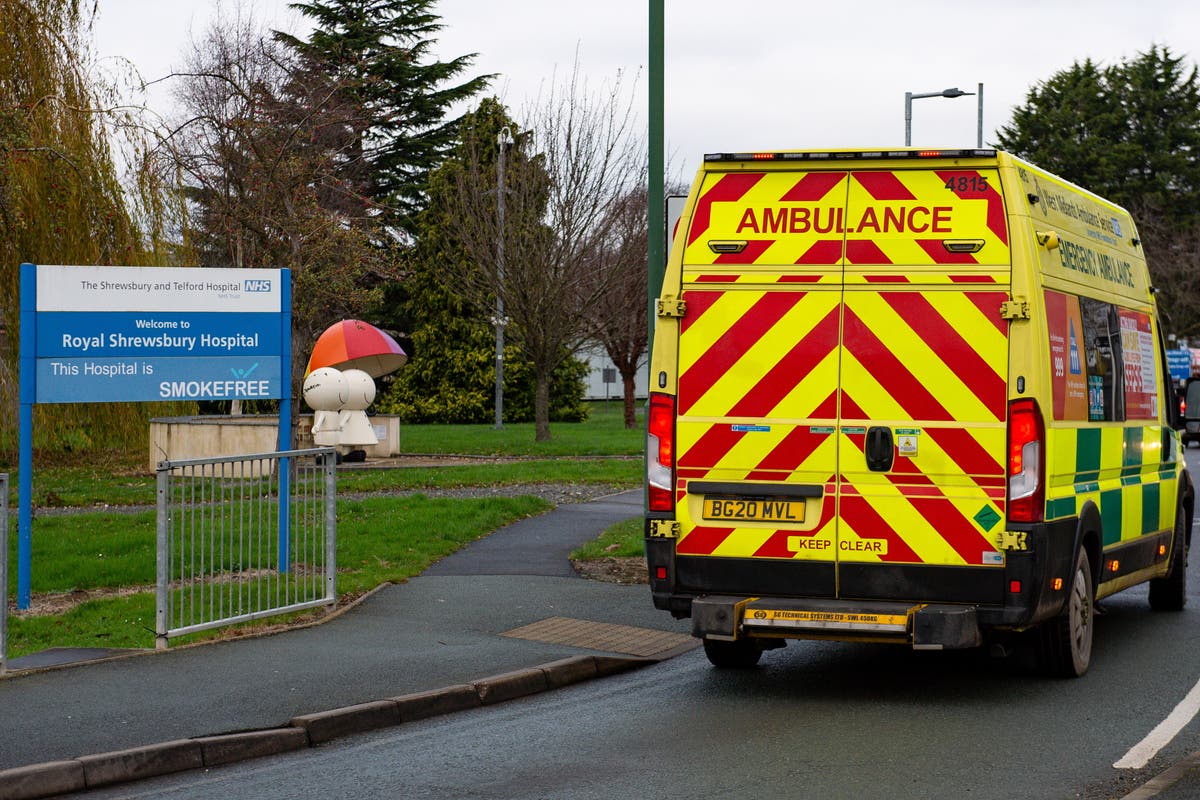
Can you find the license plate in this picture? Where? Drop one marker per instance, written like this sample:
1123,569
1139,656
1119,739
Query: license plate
740,509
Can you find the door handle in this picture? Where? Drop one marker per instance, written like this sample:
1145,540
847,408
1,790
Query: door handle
879,448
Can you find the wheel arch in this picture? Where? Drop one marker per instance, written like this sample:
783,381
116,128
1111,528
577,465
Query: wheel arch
1089,537
1187,502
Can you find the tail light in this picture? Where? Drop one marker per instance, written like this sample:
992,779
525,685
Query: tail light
660,452
1026,462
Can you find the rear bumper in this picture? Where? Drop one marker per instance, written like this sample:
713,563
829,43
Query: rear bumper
925,627
937,606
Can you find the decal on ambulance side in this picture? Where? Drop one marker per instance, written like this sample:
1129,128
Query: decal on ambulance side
1102,360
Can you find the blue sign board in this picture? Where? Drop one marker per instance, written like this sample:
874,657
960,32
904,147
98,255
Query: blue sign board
141,334
117,380
136,334
1179,362
126,356
96,334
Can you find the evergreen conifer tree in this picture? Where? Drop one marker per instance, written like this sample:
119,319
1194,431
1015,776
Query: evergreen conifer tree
375,55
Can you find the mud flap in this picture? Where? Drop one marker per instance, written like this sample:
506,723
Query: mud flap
945,627
717,617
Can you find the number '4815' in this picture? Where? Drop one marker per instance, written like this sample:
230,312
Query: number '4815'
966,184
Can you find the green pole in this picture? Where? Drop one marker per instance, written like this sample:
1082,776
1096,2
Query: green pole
656,234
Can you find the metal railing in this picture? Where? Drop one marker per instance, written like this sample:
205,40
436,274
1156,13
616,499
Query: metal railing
244,537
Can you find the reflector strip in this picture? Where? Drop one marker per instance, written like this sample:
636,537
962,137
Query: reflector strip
865,251
996,221
823,252
986,302
812,187
883,186
905,389
886,217
804,356
795,448
776,545
866,523
748,255
938,254
697,304
960,532
739,338
702,541
728,189
947,342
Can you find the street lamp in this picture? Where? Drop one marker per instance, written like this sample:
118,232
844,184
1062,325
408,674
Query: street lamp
504,140
952,92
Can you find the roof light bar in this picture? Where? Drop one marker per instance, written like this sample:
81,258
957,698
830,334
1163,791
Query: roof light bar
841,155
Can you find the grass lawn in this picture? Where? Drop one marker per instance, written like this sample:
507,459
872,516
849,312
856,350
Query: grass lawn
624,539
598,450
96,487
380,539
95,550
602,434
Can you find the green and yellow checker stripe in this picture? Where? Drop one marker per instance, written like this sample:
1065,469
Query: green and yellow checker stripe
1122,470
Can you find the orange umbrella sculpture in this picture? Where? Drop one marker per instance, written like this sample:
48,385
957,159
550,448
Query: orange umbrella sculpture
354,344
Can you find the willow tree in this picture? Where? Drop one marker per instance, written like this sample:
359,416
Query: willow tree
62,200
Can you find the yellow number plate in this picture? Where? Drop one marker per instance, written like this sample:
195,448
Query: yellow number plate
741,509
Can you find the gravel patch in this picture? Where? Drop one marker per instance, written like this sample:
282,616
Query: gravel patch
555,493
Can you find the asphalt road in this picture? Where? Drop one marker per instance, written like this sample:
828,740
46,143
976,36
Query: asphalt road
816,720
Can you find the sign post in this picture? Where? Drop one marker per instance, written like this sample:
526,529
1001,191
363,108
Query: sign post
138,334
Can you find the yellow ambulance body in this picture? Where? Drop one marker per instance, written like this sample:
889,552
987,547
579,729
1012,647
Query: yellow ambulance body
910,396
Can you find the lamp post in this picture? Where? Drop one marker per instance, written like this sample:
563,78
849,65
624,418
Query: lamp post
952,92
504,140
655,212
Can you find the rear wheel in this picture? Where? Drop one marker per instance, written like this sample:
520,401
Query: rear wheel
1169,593
1066,640
740,654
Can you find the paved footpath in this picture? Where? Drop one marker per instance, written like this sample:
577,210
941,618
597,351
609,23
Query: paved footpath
504,617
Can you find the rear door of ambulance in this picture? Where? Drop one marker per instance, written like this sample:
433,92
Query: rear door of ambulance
842,394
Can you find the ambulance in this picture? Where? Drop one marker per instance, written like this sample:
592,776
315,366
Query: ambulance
911,396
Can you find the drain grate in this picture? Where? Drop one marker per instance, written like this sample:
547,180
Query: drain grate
644,642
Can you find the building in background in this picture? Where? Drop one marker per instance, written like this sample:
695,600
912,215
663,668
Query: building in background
603,380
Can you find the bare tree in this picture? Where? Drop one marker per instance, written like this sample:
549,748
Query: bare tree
618,315
254,155
560,202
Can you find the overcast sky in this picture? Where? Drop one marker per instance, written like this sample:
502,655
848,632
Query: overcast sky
771,74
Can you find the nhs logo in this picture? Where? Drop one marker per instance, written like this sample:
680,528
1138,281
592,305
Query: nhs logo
257,285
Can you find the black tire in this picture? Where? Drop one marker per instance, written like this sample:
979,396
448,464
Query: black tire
1169,593
1065,644
740,654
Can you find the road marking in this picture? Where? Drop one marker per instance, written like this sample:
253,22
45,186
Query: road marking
1141,753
